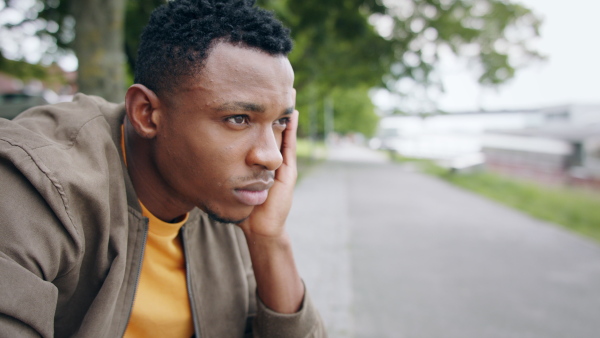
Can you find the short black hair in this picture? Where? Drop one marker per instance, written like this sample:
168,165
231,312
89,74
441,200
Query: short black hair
180,33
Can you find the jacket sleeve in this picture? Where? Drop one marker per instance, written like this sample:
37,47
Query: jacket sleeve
30,257
304,323
28,302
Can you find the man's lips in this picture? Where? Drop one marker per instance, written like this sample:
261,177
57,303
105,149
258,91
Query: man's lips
255,193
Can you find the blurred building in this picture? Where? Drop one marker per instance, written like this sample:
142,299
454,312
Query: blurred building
556,144
447,136
553,154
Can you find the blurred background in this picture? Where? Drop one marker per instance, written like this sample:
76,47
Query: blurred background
449,151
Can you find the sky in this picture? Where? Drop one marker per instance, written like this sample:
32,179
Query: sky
570,38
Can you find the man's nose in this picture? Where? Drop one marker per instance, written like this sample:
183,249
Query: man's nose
265,151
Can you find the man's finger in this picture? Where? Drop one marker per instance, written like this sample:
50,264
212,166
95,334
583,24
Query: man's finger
288,145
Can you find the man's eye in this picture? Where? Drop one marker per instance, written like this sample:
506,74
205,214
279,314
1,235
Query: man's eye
282,122
238,119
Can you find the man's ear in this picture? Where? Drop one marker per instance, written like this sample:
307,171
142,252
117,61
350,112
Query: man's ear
143,110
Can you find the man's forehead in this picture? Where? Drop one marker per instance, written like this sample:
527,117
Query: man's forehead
240,59
232,65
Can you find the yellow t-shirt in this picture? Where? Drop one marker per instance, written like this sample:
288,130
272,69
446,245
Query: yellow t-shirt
161,307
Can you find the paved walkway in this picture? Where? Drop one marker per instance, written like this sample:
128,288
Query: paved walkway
388,252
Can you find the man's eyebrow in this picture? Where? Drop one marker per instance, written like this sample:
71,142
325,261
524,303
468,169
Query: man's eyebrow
241,106
247,106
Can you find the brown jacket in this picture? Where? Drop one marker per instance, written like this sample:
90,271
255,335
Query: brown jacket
72,237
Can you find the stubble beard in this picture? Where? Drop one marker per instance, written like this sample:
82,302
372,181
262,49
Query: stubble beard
213,215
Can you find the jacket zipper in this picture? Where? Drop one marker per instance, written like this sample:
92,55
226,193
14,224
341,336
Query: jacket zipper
137,277
189,284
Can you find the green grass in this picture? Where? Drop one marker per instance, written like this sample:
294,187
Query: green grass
575,209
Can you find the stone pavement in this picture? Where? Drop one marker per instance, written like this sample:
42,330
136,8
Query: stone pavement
388,252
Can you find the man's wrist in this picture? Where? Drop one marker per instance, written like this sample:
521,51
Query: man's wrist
279,239
279,285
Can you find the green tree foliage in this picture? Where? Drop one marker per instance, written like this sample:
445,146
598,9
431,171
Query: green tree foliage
137,15
342,47
335,46
355,45
354,111
93,29
56,21
337,55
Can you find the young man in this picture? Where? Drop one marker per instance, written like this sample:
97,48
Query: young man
165,215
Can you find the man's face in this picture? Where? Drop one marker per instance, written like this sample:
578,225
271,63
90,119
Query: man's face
218,140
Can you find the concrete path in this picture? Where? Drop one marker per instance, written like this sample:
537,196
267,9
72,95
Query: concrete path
388,252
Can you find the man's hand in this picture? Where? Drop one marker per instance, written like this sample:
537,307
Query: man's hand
279,285
268,219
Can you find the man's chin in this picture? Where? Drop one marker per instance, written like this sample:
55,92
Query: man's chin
227,215
219,218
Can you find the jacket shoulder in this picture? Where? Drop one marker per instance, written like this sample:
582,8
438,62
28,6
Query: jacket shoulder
67,153
60,124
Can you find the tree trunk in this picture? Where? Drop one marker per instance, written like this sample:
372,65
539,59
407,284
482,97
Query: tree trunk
98,45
